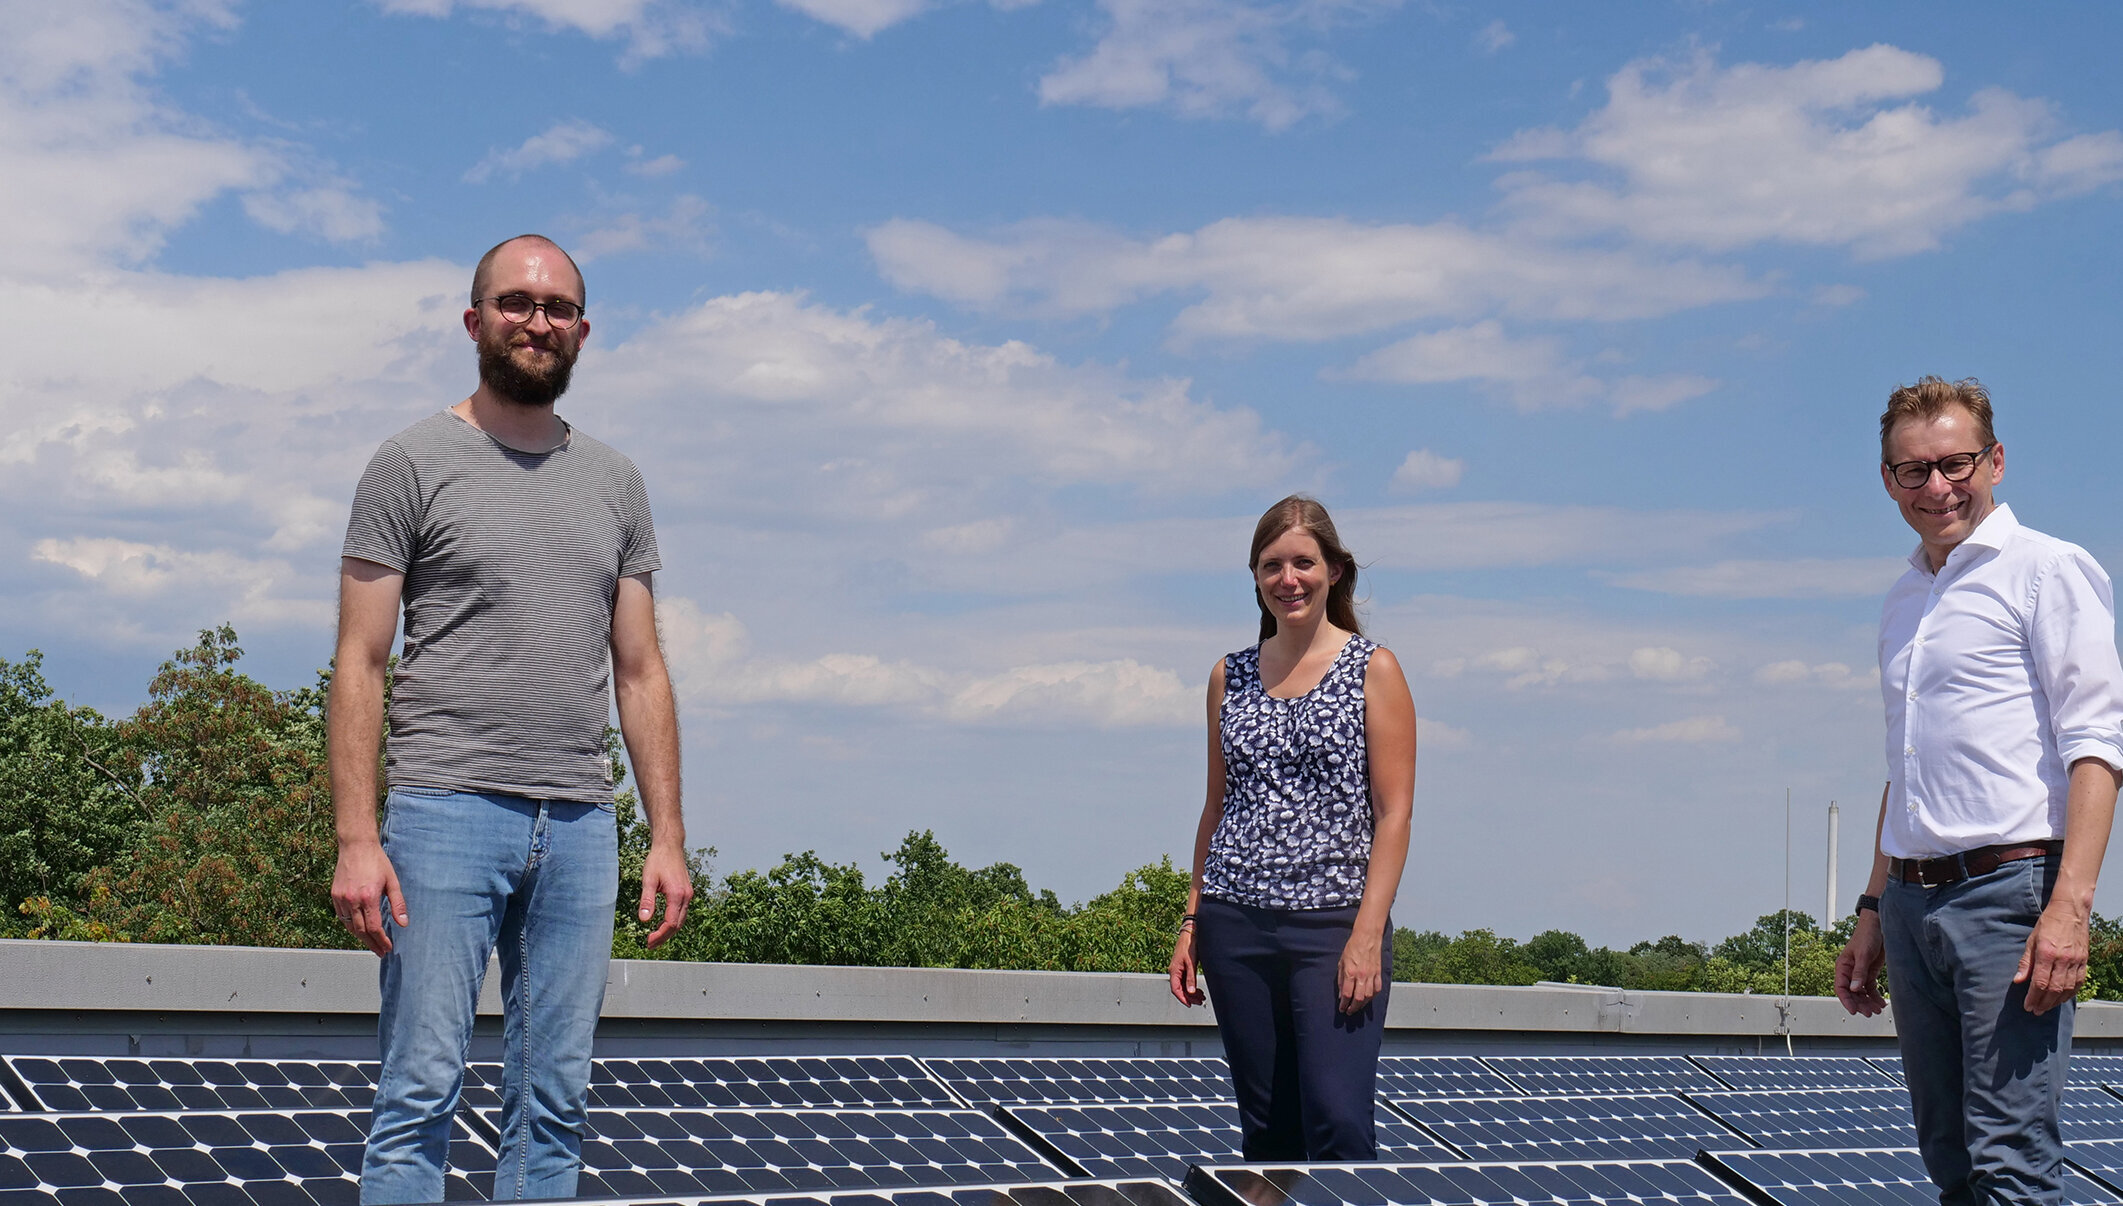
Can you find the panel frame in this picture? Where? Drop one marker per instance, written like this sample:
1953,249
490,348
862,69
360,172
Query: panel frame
1204,1185
1409,1108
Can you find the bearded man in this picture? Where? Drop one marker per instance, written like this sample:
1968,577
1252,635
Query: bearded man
522,553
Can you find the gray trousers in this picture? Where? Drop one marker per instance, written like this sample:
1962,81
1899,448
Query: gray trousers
1985,1075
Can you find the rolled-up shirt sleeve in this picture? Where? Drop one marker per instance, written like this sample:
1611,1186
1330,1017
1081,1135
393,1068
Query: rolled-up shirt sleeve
2072,642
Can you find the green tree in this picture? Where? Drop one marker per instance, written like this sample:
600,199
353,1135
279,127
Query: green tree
69,796
237,846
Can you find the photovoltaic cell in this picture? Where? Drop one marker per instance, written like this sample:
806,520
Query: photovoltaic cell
2089,1112
1006,1081
1886,1176
1816,1118
74,1084
1580,1183
1046,1193
2101,1159
1604,1127
1767,1072
811,1080
633,1153
1890,1064
1602,1073
2094,1068
1160,1139
1440,1076
205,1158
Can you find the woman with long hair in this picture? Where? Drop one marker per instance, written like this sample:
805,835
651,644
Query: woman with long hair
1303,835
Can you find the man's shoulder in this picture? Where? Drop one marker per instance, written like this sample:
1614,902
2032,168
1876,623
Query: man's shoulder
596,452
439,430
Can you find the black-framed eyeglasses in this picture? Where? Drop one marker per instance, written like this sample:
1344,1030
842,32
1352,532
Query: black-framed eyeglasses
518,308
1912,475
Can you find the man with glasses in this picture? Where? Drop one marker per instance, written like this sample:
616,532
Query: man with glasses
522,553
2004,699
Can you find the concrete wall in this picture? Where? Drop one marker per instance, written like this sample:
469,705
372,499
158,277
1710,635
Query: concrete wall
112,998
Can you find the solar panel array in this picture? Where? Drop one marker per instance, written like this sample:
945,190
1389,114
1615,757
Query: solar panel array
1862,1177
683,1151
1809,1118
1076,1192
1605,1127
83,1083
981,1082
1603,1073
205,1158
1770,1072
1441,1076
1161,1139
1580,1183
889,1130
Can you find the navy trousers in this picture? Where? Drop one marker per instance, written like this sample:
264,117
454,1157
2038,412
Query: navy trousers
1303,1071
1985,1076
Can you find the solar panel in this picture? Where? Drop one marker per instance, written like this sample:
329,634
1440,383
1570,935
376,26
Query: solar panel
76,1084
2090,1112
1580,1183
1160,1139
1604,1127
1602,1073
1042,1193
1890,1064
1764,1072
2101,1159
630,1153
2094,1068
1816,1118
1006,1081
810,1080
206,1158
1861,1178
1440,1076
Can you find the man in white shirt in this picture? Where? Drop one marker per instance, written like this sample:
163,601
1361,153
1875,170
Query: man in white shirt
2004,700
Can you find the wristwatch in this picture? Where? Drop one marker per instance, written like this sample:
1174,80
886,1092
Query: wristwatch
1868,902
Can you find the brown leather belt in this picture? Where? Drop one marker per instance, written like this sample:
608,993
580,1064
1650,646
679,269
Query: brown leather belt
1953,868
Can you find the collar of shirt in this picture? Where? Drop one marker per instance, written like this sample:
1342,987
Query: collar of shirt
1994,532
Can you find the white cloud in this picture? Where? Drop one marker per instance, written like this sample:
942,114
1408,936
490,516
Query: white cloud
715,666
662,165
886,419
1494,37
1532,373
1211,58
685,226
1664,664
562,142
1433,735
652,28
1794,578
1696,730
1423,469
1837,295
863,18
158,575
95,170
1816,153
1295,278
1794,672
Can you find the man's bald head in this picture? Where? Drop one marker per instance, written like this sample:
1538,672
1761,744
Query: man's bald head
484,271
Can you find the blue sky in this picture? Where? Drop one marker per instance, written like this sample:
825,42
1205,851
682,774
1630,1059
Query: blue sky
960,344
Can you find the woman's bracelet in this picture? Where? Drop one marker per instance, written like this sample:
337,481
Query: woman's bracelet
1186,922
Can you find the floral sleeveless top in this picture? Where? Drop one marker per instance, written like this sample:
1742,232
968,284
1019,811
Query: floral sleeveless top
1296,830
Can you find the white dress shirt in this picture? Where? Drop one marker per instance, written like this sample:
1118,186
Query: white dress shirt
1998,673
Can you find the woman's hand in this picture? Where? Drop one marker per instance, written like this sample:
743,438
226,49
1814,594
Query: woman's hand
1184,969
1359,979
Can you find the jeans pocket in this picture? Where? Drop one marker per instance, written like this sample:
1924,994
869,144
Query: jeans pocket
423,791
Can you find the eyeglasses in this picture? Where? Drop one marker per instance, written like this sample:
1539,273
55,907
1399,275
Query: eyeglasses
1913,475
518,308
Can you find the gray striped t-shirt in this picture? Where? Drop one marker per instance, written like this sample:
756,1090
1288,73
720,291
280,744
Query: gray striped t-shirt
512,562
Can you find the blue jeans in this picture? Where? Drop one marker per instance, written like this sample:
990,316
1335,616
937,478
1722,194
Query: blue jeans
1985,1075
1302,1070
540,877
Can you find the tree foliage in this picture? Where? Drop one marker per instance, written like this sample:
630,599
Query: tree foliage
205,817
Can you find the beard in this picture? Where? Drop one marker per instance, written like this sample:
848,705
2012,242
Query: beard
525,387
